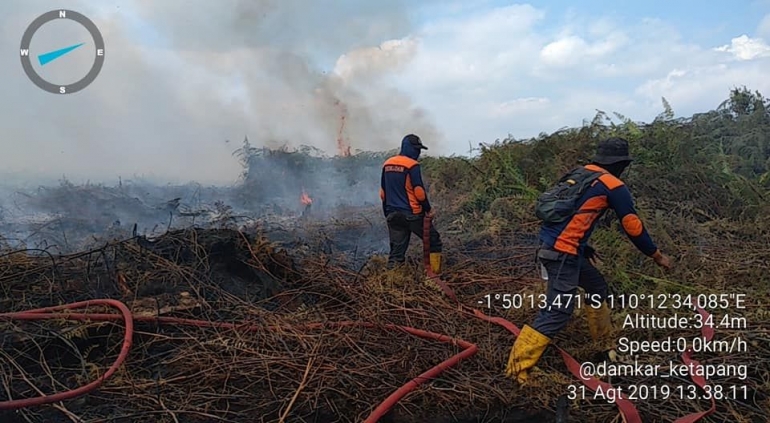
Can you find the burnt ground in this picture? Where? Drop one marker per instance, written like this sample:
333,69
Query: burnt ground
282,274
221,267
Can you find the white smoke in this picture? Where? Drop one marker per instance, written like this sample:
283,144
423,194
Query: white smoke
183,77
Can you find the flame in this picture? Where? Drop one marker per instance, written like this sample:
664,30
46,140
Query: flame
343,144
305,199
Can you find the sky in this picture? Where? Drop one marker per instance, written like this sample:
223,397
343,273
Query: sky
184,81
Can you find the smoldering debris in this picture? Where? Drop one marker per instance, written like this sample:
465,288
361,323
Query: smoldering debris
283,190
231,276
281,176
191,74
226,314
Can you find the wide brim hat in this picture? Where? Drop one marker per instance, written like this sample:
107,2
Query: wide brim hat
611,151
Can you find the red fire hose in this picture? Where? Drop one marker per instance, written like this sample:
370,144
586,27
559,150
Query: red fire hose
626,407
708,333
48,313
57,312
62,312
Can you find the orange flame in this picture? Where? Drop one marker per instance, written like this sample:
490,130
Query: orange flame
343,144
343,148
305,199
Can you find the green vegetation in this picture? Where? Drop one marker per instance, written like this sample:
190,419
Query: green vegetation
726,149
701,185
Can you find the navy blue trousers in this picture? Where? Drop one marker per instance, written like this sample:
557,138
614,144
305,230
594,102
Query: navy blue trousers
400,228
566,273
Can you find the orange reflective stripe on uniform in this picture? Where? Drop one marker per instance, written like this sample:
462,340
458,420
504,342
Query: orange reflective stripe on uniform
632,224
414,203
619,198
404,161
595,168
402,188
610,181
419,193
415,195
569,239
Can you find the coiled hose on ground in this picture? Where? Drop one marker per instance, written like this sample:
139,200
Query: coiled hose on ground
625,406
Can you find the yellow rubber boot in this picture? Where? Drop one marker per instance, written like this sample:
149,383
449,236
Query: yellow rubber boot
435,266
526,351
435,263
599,322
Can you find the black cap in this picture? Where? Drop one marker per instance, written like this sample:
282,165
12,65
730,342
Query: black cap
415,141
612,150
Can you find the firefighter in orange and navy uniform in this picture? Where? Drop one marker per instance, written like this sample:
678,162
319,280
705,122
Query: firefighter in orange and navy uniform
405,202
568,259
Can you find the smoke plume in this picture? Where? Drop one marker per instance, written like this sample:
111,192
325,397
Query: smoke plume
184,81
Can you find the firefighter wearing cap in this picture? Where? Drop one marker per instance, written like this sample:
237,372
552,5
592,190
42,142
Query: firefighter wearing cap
569,261
405,202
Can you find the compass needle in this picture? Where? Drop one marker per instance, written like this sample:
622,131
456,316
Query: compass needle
53,55
48,57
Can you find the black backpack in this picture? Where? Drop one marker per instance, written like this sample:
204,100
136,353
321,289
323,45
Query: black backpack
560,202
